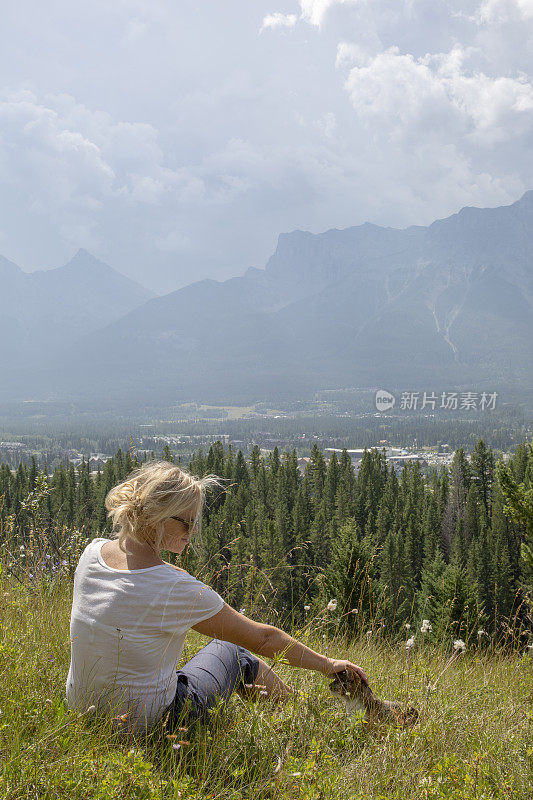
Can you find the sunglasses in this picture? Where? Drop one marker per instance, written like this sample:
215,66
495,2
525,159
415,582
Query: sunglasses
189,523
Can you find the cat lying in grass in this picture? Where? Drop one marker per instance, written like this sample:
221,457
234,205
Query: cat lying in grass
358,696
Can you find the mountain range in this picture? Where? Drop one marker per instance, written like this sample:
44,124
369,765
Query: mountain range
40,310
447,306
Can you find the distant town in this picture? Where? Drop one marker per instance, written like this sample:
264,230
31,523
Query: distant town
181,447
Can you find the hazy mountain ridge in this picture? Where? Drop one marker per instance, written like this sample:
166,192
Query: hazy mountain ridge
41,310
448,304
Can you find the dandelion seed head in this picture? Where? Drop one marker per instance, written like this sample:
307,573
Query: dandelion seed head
459,645
410,643
332,605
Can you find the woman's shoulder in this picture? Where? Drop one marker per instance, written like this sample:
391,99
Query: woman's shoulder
178,569
94,545
183,579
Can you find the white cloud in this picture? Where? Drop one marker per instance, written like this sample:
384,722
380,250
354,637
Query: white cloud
435,98
497,11
56,164
349,54
314,11
327,124
278,20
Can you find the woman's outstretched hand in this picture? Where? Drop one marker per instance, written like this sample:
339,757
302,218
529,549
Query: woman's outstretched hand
338,665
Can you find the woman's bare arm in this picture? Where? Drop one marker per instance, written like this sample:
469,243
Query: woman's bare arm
266,640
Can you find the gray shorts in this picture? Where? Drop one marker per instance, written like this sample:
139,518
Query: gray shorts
211,675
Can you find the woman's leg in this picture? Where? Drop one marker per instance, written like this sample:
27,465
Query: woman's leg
266,684
215,672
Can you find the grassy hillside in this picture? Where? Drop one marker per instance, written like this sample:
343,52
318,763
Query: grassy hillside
475,739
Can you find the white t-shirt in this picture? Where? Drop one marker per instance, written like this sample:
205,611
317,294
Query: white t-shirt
127,631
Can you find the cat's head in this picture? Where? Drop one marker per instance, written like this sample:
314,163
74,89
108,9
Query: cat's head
346,684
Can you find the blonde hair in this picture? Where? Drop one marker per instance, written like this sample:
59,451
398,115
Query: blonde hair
150,495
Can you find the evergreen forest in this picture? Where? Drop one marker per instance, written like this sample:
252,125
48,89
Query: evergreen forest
390,550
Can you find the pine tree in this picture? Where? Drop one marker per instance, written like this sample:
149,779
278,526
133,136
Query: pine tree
350,572
472,516
482,465
456,501
519,507
316,473
449,600
431,530
167,455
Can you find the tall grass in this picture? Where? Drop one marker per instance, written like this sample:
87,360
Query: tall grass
474,740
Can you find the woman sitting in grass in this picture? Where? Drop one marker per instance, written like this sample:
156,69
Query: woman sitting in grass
131,612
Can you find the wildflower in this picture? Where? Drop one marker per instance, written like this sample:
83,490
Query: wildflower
481,633
332,605
354,611
22,547
242,610
427,627
407,626
459,645
264,692
90,709
369,634
410,643
177,745
307,608
64,563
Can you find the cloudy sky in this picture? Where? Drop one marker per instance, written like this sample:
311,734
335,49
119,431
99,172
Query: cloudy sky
175,139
